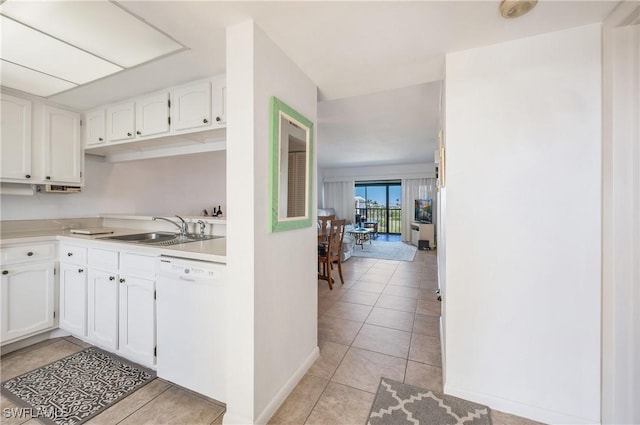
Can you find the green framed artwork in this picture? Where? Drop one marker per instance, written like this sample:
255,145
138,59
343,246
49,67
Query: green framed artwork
290,170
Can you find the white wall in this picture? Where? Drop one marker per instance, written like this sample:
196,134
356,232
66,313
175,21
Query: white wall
165,186
50,205
621,226
320,188
523,242
274,290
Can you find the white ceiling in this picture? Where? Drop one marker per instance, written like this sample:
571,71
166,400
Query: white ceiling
392,127
348,48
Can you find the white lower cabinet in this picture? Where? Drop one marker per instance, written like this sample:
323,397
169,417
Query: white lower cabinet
121,303
73,299
28,289
137,317
102,303
27,299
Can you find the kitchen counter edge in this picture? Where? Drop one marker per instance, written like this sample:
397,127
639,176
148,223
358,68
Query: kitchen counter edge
213,250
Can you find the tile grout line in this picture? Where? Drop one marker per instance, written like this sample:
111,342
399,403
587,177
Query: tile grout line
350,345
336,369
149,401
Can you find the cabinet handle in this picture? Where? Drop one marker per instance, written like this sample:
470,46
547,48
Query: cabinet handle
29,253
137,132
80,270
28,176
69,254
5,271
121,280
48,177
112,278
99,139
218,119
129,134
205,120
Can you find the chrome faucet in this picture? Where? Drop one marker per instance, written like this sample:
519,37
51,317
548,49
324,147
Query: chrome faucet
203,226
182,226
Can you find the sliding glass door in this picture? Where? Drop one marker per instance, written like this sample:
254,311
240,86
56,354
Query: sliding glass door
380,202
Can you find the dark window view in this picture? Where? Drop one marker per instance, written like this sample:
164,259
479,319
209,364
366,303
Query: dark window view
379,203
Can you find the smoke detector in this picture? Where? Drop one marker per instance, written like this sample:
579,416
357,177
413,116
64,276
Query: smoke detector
516,8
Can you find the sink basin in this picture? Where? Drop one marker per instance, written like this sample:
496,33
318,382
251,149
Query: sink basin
160,238
144,237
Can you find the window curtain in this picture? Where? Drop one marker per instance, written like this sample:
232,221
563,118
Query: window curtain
413,189
341,197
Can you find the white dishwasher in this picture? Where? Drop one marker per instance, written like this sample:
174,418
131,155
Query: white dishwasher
191,325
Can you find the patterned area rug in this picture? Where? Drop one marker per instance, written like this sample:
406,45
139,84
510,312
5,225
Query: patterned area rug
386,250
76,388
397,403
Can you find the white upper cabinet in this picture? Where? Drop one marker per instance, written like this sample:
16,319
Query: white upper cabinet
191,106
94,131
152,115
16,138
219,101
121,122
154,125
62,146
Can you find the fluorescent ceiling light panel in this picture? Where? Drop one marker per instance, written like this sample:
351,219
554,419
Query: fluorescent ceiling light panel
32,49
30,81
100,27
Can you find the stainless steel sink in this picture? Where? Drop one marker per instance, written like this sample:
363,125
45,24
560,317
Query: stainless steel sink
160,238
144,237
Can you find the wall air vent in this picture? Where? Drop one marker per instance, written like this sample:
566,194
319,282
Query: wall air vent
52,188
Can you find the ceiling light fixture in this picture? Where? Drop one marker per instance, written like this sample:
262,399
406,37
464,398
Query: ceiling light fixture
516,8
53,46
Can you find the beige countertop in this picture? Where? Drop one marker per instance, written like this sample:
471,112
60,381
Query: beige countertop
213,250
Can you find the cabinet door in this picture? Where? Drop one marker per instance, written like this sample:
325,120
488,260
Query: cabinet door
152,115
27,299
94,133
62,146
16,138
219,102
137,319
191,106
73,299
102,307
121,122
426,233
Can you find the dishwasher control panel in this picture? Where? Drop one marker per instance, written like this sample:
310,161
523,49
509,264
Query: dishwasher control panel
188,268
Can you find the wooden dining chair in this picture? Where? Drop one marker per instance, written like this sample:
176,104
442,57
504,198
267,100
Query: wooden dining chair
323,224
333,252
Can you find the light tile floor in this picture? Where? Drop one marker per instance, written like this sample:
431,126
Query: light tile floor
158,402
384,321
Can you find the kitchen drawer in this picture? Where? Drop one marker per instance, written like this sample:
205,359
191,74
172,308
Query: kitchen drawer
27,253
103,259
138,264
73,254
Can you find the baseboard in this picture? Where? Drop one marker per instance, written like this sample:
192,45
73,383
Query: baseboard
59,333
17,345
286,389
519,409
